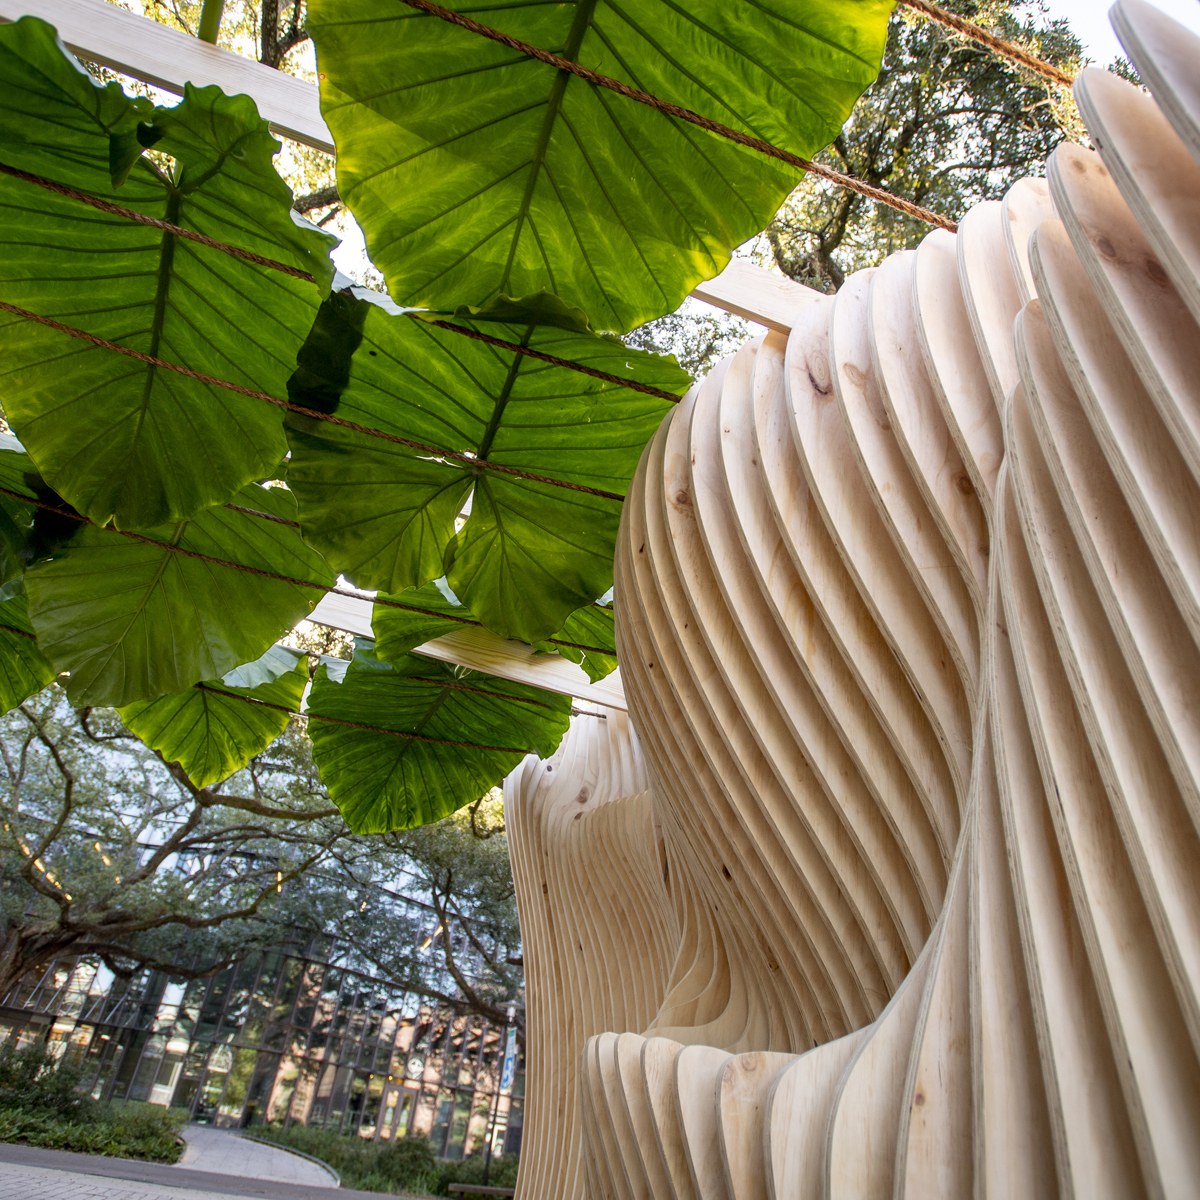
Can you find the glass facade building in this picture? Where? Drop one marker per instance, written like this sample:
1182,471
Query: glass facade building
293,1035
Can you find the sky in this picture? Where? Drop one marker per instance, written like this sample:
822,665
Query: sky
1089,20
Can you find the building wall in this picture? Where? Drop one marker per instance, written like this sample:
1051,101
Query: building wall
290,1036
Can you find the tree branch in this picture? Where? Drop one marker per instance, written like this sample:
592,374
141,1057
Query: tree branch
321,198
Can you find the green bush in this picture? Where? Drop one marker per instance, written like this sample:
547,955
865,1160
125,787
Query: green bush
408,1162
126,1130
41,1105
405,1165
33,1080
503,1173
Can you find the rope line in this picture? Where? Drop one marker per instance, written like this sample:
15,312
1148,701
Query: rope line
258,259
554,361
130,214
262,516
685,114
466,460
312,716
455,686
998,45
348,593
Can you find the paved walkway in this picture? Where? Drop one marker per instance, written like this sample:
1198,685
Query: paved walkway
222,1153
27,1173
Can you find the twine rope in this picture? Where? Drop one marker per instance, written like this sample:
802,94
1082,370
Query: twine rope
311,585
130,214
997,45
488,340
398,733
466,460
685,114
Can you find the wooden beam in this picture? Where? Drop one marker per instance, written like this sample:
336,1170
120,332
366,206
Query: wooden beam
761,296
168,59
483,651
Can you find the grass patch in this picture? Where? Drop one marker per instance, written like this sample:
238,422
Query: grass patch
41,1105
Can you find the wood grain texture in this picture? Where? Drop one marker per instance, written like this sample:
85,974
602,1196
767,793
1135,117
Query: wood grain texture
907,608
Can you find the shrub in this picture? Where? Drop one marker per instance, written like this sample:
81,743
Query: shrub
33,1080
405,1165
503,1173
41,1105
125,1130
407,1162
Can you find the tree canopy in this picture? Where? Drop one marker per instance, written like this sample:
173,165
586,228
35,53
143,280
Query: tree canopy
106,850
947,123
109,849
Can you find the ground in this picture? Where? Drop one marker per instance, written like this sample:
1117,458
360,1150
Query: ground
215,1165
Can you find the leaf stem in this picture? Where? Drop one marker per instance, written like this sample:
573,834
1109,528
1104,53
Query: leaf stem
210,21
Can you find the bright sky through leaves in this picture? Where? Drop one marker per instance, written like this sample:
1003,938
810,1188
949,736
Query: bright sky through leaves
1089,20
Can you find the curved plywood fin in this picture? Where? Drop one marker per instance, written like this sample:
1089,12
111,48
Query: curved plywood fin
895,893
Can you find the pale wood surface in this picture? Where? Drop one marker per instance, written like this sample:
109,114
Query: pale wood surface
798,1108
992,292
954,364
908,614
1157,177
1145,460
758,295
1098,736
484,651
1152,322
743,1093
1024,207
1165,54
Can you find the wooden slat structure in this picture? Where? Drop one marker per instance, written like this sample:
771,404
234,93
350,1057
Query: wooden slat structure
889,887
886,883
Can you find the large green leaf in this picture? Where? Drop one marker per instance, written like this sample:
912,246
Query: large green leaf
428,612
476,170
216,728
16,518
384,514
134,619
118,438
442,736
588,638
23,668
402,622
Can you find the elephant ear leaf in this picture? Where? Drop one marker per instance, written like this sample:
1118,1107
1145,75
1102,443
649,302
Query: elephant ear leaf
588,638
402,622
122,439
137,616
23,668
492,148
215,728
542,451
405,743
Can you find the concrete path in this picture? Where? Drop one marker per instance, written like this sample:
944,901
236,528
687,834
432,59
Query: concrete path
28,1173
221,1153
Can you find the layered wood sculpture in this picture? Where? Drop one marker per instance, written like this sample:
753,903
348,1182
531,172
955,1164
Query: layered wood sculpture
905,900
